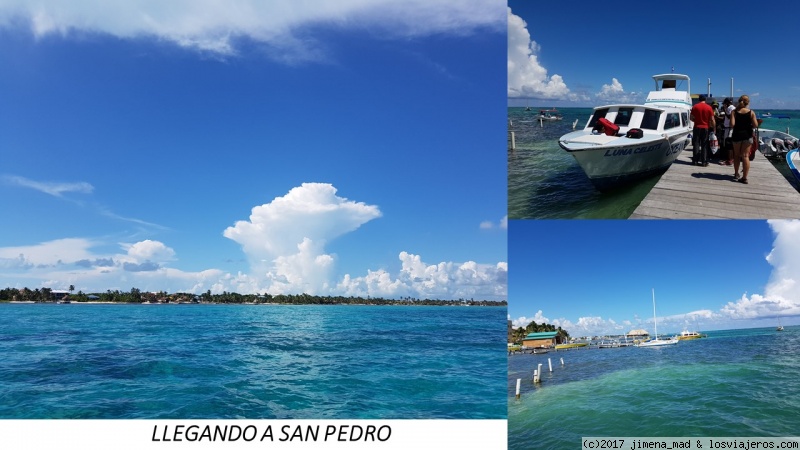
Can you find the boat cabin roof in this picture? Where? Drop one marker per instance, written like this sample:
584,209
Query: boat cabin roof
673,77
667,92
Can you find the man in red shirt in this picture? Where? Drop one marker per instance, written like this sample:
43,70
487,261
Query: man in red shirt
703,118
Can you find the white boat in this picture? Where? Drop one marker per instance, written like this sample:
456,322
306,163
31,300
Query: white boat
549,114
657,342
793,159
774,143
626,142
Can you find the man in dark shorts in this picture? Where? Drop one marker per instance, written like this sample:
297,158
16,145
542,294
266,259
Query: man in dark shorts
703,118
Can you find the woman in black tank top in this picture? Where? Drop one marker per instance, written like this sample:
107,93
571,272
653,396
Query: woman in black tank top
743,120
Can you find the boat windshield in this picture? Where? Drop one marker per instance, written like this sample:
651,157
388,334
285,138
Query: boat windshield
623,116
598,114
673,120
650,119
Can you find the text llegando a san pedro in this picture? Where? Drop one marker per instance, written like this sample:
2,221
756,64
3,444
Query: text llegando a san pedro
270,433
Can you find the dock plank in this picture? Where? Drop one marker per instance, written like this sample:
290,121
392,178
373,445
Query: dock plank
687,191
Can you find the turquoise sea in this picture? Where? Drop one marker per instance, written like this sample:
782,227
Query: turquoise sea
246,361
545,182
733,383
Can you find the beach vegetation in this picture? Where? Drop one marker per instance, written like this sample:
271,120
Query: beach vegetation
136,295
518,334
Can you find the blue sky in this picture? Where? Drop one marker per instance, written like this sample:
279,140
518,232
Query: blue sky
596,277
328,148
560,58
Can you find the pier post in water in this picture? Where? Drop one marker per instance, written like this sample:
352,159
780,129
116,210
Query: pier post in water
513,141
550,364
562,361
519,380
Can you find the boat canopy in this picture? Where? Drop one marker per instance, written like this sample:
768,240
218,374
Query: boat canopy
669,81
667,92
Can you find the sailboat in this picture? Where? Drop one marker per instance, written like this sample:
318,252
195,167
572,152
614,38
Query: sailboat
657,342
780,327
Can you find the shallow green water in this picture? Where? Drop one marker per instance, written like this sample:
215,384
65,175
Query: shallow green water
733,383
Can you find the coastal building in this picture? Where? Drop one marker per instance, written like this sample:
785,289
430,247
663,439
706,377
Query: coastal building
58,295
543,339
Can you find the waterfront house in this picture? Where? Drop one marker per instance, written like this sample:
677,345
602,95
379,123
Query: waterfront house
537,340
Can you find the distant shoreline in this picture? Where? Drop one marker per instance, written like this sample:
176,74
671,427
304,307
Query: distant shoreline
497,304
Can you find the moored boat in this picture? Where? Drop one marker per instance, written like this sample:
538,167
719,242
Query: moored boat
571,345
657,342
774,143
626,142
793,159
688,335
549,114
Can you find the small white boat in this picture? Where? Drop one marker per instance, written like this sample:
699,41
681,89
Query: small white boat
793,159
549,114
657,342
626,142
774,143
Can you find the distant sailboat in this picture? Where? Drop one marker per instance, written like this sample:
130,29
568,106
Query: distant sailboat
657,342
780,327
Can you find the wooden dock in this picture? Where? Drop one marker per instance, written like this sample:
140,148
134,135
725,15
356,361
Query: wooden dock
686,191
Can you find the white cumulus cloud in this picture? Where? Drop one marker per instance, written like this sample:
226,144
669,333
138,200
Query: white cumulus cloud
148,250
285,240
781,296
526,76
445,280
615,93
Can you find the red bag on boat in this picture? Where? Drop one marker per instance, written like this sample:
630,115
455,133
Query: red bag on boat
609,128
754,145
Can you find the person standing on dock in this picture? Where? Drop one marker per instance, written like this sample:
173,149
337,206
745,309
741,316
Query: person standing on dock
703,118
743,121
727,110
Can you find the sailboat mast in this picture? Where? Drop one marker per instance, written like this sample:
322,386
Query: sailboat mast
655,323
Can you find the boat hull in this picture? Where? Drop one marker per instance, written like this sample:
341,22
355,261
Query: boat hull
611,161
770,149
658,343
793,159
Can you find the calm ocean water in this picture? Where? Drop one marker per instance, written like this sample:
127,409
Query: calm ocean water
733,383
545,182
243,361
